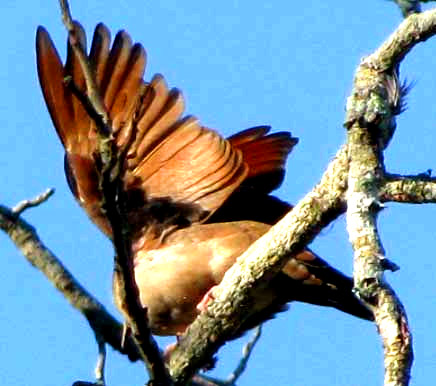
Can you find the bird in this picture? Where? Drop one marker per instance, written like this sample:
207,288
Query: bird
195,200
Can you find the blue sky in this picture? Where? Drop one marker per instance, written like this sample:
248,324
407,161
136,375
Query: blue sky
239,64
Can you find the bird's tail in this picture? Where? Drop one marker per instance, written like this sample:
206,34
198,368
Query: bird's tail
310,279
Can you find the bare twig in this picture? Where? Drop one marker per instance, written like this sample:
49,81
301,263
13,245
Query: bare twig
101,360
247,350
18,209
246,354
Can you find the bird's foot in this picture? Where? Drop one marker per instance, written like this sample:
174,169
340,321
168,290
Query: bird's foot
207,298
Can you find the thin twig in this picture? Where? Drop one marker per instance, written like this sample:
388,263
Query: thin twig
18,209
231,380
246,354
101,360
113,204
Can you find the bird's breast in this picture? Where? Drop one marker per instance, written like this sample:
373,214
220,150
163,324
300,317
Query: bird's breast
173,278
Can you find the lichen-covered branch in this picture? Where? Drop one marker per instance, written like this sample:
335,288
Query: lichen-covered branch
414,29
26,239
417,189
238,289
370,120
369,260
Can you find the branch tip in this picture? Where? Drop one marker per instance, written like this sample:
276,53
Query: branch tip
18,209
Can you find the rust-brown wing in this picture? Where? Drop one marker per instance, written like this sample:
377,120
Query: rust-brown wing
170,161
265,155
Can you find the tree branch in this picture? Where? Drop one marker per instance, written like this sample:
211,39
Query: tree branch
413,30
92,99
370,120
26,204
234,376
27,241
369,261
113,204
417,189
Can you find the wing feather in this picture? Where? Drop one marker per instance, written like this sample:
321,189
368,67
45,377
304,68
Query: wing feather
100,50
51,78
265,156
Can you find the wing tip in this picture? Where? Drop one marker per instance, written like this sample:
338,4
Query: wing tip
42,41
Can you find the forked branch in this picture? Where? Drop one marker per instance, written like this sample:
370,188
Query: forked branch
370,121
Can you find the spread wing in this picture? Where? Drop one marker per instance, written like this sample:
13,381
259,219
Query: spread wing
175,170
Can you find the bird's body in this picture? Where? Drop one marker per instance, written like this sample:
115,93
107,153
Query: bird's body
195,201
202,251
